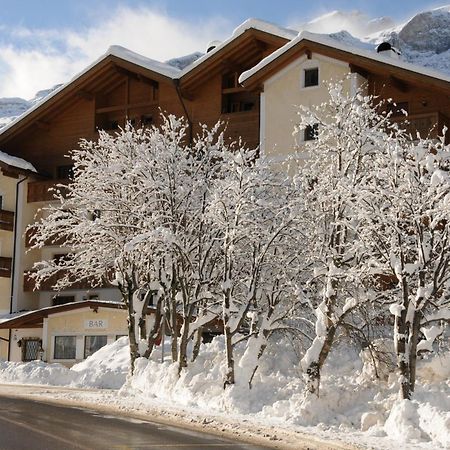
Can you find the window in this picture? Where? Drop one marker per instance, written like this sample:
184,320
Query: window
31,348
398,109
93,343
62,299
59,258
93,297
65,172
311,132
65,347
311,77
1,201
146,120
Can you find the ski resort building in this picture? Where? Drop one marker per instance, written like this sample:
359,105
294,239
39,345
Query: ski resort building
253,81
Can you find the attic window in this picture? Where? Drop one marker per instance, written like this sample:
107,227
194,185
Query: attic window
311,77
311,132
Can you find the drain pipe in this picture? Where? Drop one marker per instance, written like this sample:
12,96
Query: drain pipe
176,82
13,265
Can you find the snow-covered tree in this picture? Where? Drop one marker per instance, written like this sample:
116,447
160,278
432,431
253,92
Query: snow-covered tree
337,272
406,227
251,209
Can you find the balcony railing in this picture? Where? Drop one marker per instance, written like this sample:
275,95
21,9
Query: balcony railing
428,125
6,220
42,191
5,267
243,123
29,284
29,235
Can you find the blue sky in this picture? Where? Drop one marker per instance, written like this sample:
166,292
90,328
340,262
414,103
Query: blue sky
70,13
44,42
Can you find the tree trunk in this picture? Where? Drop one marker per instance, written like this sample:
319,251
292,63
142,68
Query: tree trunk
413,341
182,353
401,336
134,349
314,369
155,332
197,342
229,377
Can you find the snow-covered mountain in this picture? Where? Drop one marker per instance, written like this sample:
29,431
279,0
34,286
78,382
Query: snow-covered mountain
423,40
12,107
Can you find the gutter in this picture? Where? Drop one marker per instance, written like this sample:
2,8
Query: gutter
13,265
176,83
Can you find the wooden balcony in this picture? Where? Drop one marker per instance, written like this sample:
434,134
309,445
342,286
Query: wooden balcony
428,125
245,124
6,220
5,267
42,191
29,234
29,284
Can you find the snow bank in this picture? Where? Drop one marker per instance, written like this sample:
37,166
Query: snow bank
352,402
107,368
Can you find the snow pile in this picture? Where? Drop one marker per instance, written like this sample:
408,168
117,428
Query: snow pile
105,369
351,401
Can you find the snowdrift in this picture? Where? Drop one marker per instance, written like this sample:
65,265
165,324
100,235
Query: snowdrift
351,400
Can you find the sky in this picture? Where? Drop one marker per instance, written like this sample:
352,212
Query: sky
46,42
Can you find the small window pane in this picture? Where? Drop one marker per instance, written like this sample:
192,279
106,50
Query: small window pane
65,347
93,343
311,77
311,132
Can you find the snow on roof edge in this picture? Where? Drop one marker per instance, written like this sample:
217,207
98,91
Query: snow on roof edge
248,24
114,50
14,161
330,42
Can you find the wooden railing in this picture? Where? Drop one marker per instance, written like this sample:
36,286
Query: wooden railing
5,267
29,284
42,191
29,235
245,124
428,125
6,220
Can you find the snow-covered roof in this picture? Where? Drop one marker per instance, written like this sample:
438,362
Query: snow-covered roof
165,69
117,51
19,163
257,24
329,42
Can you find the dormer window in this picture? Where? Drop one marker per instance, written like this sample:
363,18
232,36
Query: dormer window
311,77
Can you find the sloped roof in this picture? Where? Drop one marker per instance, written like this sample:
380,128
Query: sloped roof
35,318
307,37
156,67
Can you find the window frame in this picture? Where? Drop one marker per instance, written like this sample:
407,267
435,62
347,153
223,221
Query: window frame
310,64
88,336
57,358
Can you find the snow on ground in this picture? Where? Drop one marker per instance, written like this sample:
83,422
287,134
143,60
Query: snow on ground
353,407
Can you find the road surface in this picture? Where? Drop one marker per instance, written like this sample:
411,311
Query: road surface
32,425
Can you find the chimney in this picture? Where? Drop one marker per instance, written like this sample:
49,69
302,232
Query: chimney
386,49
212,45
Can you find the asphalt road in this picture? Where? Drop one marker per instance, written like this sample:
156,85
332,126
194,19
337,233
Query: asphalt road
31,425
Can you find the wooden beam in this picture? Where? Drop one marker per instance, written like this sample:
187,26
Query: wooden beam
42,125
401,85
359,70
86,95
125,107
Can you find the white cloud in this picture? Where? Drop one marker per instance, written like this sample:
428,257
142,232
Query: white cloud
355,22
38,59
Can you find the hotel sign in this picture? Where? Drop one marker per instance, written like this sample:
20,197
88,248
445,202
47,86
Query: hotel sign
96,324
